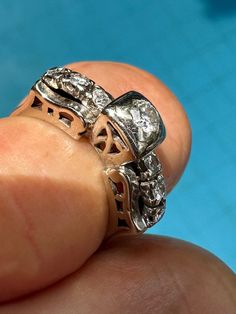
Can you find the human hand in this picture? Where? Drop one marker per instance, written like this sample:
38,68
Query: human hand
53,218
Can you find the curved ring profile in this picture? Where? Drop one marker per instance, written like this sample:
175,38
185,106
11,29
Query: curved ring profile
67,99
124,131
125,135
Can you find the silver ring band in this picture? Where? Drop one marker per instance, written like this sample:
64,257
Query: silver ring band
125,132
125,136
67,99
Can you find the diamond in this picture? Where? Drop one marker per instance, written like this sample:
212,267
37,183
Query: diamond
57,71
149,166
77,79
153,214
74,106
145,117
135,112
123,113
52,77
66,79
100,97
139,120
68,89
151,162
152,193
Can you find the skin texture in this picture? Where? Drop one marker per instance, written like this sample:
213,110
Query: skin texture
53,218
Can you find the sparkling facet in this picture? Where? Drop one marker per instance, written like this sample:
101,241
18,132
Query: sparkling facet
66,80
153,214
151,162
139,119
135,112
144,125
152,192
149,166
123,113
77,79
145,118
90,98
100,97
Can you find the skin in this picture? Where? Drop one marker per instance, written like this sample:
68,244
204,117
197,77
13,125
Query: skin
53,217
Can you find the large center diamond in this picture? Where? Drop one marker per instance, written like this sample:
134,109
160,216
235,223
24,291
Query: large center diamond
145,118
139,120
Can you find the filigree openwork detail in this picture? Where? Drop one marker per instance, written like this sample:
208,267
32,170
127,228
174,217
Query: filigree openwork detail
109,142
37,107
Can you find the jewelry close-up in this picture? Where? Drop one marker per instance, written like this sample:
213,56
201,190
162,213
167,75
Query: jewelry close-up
124,131
66,99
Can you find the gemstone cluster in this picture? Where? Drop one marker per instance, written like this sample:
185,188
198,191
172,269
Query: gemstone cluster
87,98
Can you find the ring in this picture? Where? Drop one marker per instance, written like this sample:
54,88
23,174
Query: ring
124,131
67,99
125,135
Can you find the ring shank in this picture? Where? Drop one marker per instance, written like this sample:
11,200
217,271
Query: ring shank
35,106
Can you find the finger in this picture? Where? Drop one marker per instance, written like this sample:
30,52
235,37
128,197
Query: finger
53,211
168,276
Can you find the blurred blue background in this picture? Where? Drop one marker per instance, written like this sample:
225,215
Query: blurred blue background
189,44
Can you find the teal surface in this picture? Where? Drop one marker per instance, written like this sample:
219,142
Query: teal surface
189,44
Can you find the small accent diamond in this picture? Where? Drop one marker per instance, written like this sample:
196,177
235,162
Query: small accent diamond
100,97
153,214
152,192
77,79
